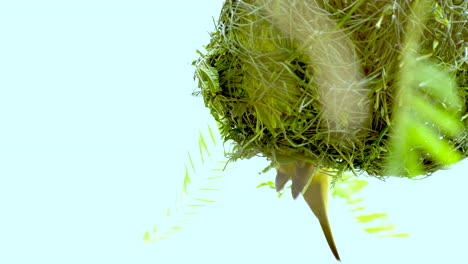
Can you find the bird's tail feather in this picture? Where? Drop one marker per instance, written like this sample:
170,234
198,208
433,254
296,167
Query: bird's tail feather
316,196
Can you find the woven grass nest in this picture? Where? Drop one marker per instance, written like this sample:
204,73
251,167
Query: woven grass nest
316,80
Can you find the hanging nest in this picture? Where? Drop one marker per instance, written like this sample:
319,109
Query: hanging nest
316,80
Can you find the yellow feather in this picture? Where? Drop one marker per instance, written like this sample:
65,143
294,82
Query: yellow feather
315,193
316,196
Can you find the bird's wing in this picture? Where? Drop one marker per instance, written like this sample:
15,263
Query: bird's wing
298,171
303,172
284,174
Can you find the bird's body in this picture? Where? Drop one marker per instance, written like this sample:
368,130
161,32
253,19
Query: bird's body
315,193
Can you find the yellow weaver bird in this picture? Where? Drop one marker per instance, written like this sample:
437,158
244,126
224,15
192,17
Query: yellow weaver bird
315,193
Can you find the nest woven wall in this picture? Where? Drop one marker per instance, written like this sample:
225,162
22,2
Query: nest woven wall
316,80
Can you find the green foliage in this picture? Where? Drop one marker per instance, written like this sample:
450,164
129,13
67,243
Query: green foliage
186,179
347,189
202,146
429,108
371,217
372,230
428,119
268,183
188,207
191,162
271,185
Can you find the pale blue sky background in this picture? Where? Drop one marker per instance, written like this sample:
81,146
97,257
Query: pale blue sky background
96,120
